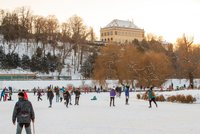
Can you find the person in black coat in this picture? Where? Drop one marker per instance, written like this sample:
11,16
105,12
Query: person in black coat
67,96
24,113
77,96
50,96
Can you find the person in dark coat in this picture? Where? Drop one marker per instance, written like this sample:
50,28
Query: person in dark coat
67,96
77,96
50,96
39,94
24,113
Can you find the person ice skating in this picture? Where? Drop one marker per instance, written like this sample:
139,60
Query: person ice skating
61,92
127,93
77,96
50,96
10,93
2,94
25,94
39,94
112,97
151,96
24,113
66,95
57,91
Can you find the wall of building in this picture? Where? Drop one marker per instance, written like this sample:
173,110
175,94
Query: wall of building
121,35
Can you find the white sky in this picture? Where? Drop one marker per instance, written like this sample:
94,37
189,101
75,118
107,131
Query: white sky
167,18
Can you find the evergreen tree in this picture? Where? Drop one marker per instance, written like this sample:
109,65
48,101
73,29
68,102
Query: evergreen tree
25,62
2,57
12,61
36,60
88,66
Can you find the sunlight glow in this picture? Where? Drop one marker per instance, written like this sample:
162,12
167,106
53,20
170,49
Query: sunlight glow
167,18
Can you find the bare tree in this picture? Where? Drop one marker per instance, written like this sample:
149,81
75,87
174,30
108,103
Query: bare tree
188,59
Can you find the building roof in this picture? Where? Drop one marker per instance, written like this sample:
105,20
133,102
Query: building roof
121,23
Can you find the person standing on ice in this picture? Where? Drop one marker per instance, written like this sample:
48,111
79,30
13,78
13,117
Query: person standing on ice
112,96
127,93
77,96
25,94
2,94
151,96
24,113
50,96
66,95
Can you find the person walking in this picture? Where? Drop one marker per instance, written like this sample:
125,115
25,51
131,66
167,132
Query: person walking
77,96
127,93
24,113
2,94
25,94
112,97
151,96
66,95
50,96
39,94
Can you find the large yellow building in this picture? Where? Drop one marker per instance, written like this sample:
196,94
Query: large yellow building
121,31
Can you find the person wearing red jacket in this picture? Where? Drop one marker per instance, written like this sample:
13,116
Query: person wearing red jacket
25,95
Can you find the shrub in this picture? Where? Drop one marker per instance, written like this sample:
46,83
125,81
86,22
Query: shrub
160,98
182,99
145,97
138,96
189,99
171,98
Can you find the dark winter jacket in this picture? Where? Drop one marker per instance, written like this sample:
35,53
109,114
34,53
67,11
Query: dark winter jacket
77,93
50,94
23,111
66,95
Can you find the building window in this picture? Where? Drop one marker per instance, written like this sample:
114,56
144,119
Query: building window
111,33
101,34
115,32
108,33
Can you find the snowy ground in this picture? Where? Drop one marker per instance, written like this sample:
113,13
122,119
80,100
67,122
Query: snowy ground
97,117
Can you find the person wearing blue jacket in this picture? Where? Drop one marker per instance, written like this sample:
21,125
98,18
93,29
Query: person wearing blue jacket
127,93
2,94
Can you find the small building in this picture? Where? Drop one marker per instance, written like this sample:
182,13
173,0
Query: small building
121,31
16,74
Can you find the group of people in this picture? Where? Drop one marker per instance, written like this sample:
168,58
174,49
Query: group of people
60,95
150,93
6,94
24,113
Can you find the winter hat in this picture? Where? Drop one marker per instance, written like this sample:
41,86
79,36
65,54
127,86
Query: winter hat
21,94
